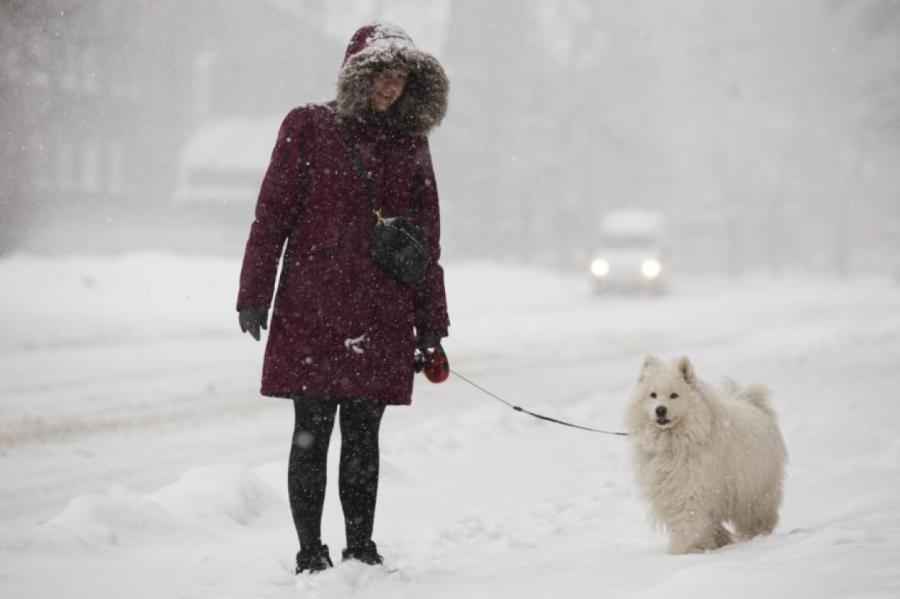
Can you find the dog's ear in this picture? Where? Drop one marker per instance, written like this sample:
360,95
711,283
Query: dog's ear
649,362
686,369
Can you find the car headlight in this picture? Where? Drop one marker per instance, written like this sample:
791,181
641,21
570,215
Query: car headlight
600,267
651,268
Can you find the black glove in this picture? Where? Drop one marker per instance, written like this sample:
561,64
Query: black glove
252,319
426,340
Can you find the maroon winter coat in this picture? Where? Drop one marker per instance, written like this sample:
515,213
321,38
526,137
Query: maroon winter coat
340,327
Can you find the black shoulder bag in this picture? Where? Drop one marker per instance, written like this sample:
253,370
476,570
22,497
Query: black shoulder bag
397,245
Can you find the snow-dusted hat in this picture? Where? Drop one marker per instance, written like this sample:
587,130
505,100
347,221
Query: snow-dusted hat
382,45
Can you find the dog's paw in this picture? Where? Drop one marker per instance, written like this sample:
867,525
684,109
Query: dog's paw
718,536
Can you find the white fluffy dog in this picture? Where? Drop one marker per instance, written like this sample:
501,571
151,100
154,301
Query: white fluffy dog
705,456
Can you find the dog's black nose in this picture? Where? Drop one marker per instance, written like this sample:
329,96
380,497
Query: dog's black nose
661,411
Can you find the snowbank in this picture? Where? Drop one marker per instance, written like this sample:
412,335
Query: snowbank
137,459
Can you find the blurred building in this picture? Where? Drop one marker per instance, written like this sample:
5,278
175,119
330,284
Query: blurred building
99,96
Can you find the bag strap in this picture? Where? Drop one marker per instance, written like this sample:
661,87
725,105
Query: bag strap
360,167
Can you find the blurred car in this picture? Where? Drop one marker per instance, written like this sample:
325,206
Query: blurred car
631,253
221,167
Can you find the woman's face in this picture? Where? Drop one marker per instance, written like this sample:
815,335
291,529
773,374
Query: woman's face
386,88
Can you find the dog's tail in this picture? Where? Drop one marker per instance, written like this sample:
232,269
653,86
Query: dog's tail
758,395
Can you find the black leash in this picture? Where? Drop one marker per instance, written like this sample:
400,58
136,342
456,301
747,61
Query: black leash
530,413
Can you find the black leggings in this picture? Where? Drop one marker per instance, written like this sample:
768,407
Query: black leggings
358,475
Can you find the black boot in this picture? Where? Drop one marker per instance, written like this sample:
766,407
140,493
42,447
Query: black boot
314,559
367,554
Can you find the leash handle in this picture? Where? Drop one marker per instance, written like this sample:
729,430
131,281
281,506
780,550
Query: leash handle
530,413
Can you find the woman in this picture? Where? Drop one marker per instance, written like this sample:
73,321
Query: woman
343,334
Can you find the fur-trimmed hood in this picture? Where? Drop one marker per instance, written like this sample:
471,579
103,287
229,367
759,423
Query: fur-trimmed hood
422,105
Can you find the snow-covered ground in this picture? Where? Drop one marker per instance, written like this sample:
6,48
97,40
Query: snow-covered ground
137,460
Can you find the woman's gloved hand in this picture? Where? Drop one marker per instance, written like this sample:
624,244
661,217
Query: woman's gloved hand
430,358
252,319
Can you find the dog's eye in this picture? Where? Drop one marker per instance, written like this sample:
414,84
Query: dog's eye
673,396
653,395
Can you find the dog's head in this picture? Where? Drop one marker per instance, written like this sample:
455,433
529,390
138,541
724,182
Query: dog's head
666,396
